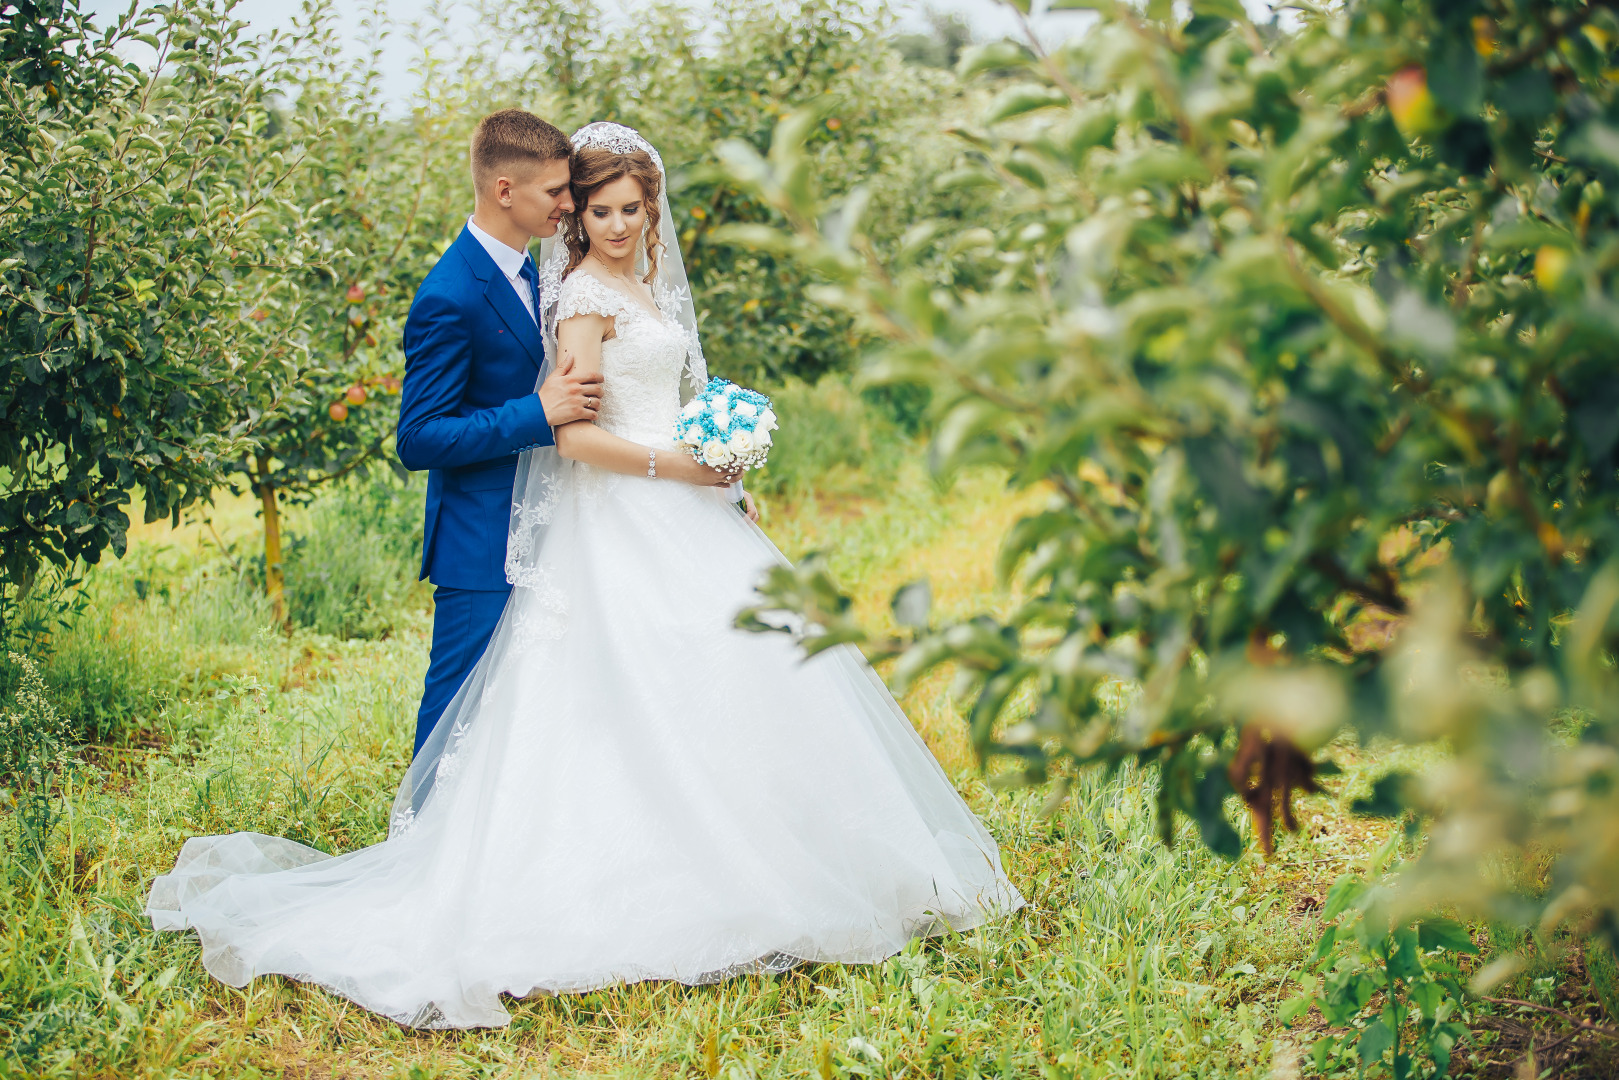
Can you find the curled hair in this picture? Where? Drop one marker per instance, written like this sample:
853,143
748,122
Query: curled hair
592,167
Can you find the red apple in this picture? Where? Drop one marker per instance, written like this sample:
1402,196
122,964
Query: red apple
1411,103
338,411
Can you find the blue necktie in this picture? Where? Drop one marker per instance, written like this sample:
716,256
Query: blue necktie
530,275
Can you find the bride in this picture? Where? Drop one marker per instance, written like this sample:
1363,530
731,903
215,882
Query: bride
626,787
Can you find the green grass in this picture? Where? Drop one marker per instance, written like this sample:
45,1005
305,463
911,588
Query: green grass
1132,960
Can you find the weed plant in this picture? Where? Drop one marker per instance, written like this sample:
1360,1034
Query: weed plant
352,562
34,755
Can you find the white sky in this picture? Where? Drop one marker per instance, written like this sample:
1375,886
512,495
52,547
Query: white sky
989,19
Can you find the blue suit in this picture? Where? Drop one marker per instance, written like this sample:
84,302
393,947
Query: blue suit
472,358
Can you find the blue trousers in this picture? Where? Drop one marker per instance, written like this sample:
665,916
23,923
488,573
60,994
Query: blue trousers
463,622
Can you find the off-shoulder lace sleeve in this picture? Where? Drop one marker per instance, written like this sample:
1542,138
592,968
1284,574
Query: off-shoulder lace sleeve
583,294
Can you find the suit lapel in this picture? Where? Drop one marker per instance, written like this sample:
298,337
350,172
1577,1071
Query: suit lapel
499,292
502,297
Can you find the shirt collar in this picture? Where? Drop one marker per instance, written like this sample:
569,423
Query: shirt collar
509,259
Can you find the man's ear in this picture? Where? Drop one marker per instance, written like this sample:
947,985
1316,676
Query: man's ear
503,190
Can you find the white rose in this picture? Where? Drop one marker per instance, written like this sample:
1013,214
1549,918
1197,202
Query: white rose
722,420
693,436
743,408
761,439
693,407
767,420
741,442
715,453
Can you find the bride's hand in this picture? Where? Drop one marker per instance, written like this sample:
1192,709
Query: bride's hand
691,471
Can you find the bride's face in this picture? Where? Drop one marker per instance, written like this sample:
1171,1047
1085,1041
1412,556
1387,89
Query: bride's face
614,216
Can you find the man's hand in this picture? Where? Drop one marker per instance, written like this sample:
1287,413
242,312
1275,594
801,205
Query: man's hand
750,509
567,395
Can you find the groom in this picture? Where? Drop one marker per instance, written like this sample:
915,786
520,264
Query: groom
473,351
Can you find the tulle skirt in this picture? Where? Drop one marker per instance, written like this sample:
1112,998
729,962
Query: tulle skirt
625,788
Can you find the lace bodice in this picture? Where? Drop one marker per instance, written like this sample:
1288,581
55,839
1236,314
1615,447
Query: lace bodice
641,363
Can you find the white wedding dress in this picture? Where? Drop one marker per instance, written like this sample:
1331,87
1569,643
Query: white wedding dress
631,788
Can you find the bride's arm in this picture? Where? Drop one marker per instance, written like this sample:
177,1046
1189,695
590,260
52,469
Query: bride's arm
581,337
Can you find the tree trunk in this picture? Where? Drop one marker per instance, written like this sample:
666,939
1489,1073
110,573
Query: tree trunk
272,543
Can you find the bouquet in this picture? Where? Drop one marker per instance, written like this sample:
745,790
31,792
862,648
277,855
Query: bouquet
726,427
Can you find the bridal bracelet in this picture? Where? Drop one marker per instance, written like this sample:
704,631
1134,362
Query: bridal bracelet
652,463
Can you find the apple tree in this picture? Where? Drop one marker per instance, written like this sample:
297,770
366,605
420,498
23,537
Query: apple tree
1311,339
144,216
381,196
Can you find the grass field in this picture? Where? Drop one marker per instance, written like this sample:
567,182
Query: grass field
1131,960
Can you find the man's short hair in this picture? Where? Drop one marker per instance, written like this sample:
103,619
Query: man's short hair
512,137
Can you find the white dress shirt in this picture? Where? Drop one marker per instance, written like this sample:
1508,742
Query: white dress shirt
510,260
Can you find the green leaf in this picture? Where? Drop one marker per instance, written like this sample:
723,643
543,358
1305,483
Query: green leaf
912,603
1021,99
1002,55
1160,166
1209,811
1427,995
1440,1044
1436,932
1455,76
1526,95
964,178
1525,234
1324,946
1344,893
1322,1050
1025,168
1293,1008
1595,142
1405,959
1387,798
1231,10
1376,1041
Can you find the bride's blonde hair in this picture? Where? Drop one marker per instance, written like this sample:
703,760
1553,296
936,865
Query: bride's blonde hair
591,168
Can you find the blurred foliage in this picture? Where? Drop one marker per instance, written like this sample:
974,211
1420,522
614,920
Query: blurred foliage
948,34
689,82
143,214
1311,337
830,428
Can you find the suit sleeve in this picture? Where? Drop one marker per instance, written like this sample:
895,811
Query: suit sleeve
438,362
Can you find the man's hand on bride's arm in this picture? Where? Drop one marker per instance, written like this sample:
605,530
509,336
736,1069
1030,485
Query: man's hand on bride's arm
750,509
570,393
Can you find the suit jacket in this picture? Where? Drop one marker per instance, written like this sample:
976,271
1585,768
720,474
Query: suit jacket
472,359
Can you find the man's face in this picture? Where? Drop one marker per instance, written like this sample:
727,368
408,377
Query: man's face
538,201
